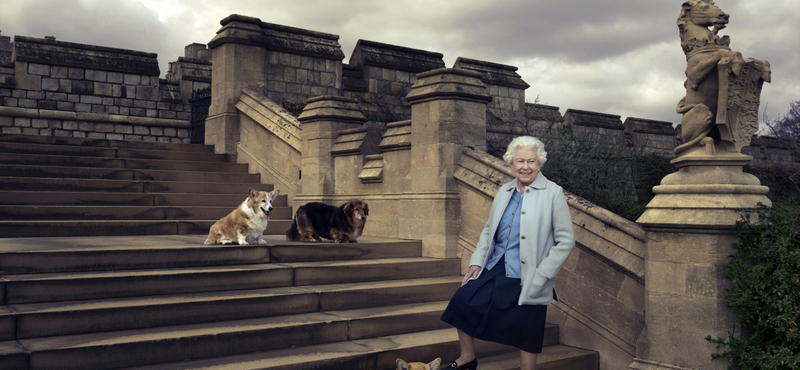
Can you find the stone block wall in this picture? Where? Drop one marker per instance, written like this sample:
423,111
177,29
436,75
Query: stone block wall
57,88
651,136
505,86
381,75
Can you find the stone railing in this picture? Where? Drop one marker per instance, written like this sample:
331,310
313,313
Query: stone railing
269,141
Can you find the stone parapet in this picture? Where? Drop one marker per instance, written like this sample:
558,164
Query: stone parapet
252,31
493,73
5,51
542,112
651,136
89,91
593,119
59,53
393,57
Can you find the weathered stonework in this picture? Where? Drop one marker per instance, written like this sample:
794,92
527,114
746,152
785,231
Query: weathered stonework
690,222
89,91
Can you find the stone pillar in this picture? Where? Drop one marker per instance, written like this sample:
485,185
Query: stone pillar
448,113
690,230
322,119
238,57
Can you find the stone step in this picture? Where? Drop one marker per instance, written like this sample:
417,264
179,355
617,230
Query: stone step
104,143
109,152
125,186
93,316
225,338
71,198
121,163
41,228
47,255
126,174
381,353
70,286
54,213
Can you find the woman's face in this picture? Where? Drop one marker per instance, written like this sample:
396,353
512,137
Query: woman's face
525,165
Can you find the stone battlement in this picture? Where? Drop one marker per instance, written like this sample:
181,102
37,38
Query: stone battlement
50,75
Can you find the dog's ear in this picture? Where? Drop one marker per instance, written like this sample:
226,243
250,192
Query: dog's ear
274,194
253,193
366,213
401,365
348,208
435,363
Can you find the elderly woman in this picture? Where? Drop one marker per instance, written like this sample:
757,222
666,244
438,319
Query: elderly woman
509,283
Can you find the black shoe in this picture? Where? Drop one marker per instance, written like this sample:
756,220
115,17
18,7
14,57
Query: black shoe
472,365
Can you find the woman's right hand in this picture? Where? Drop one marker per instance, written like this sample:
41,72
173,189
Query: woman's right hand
472,272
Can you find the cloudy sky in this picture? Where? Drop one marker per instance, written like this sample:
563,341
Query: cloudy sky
613,56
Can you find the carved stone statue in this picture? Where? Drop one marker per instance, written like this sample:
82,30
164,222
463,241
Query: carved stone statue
720,109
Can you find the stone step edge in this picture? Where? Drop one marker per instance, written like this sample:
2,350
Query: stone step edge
100,143
331,325
380,351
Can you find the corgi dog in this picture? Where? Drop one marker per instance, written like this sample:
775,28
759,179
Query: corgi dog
246,224
433,365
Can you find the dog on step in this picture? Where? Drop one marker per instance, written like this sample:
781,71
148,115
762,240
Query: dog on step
315,221
433,365
245,224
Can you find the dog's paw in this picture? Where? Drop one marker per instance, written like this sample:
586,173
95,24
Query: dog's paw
262,241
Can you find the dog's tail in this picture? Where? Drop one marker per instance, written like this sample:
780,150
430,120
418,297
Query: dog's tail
293,234
213,238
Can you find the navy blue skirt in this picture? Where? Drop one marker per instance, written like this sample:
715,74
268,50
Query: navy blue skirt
487,308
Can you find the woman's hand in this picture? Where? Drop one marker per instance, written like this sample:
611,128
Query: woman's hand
472,272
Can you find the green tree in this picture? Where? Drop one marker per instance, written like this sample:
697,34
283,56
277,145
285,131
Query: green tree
764,271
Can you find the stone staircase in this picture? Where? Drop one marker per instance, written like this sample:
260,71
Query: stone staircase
154,297
51,186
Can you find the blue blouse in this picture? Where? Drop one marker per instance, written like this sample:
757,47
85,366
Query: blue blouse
506,238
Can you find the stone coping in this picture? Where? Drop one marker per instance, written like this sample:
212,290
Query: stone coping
587,118
371,53
246,30
70,54
149,242
91,117
493,73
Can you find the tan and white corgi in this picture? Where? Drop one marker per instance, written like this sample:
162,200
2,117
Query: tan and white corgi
433,365
245,224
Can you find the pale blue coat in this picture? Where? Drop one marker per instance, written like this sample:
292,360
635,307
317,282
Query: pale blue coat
546,236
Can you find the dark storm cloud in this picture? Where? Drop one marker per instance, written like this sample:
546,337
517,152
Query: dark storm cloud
123,24
572,29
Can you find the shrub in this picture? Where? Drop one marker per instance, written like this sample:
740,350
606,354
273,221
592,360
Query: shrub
764,271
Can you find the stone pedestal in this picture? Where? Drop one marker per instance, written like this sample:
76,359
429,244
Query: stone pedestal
448,112
323,118
690,230
238,60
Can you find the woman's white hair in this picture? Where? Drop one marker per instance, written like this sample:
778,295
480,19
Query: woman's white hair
526,142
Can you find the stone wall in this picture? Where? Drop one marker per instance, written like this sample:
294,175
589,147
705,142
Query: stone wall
381,75
57,88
